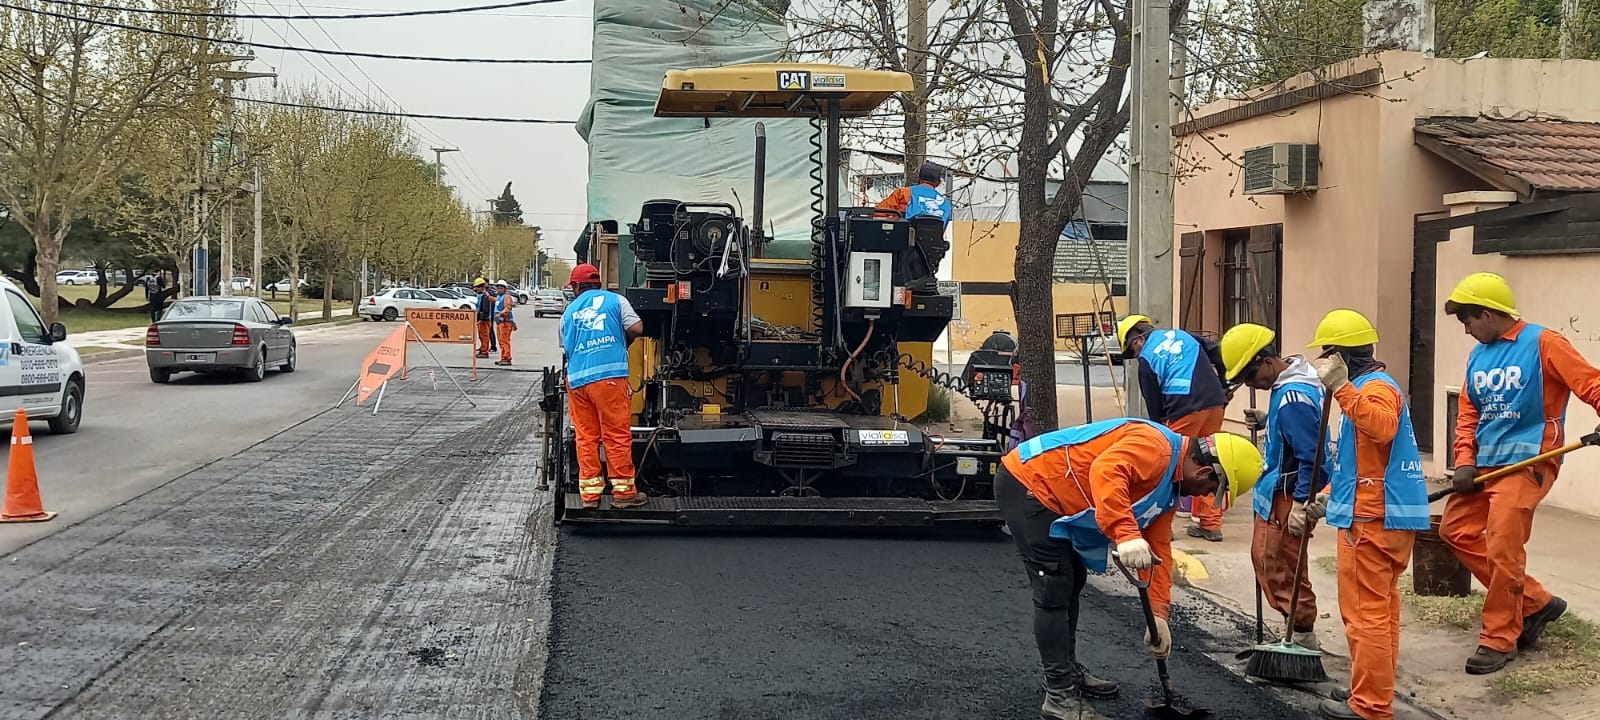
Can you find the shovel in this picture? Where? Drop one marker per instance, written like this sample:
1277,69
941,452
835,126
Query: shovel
1590,439
1165,708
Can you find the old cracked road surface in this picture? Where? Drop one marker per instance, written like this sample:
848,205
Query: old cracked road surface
334,564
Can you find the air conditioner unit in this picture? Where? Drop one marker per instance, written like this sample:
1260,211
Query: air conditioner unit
1280,168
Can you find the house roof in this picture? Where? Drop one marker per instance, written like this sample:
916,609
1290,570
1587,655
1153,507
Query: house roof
1523,156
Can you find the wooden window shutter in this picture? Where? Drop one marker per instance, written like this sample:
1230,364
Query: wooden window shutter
1191,281
1266,243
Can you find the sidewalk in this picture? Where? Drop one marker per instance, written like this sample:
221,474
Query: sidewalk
124,338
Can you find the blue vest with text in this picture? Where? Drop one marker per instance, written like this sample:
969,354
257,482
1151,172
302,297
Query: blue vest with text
1505,381
1082,529
927,200
1405,493
1172,355
500,307
592,337
1277,451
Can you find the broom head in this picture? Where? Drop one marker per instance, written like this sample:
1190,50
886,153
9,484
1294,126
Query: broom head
1285,661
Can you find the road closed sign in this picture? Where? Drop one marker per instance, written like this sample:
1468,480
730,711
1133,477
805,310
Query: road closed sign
442,326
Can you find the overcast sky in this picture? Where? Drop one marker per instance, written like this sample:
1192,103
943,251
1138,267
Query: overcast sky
545,163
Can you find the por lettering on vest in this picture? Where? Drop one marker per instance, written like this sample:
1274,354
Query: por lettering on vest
1497,379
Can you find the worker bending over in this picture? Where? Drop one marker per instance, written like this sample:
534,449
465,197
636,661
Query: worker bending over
1377,500
1513,406
485,316
504,322
596,330
1110,481
1180,377
1292,423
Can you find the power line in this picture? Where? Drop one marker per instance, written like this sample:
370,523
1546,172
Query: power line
317,51
421,116
354,16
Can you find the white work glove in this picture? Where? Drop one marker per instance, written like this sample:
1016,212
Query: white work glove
1333,373
1304,515
1161,645
1136,554
1255,419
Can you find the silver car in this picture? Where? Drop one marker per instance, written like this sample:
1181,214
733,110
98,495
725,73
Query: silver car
219,334
549,302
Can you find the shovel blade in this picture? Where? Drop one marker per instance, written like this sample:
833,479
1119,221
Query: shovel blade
1155,709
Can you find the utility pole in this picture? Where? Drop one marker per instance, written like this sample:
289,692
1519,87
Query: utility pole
438,162
494,263
1150,239
255,261
916,63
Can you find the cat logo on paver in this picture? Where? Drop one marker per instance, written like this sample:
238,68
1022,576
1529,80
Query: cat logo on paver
799,80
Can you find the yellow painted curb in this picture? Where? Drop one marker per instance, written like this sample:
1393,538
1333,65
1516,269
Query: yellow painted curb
1188,567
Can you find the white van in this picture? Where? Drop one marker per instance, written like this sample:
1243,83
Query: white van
37,372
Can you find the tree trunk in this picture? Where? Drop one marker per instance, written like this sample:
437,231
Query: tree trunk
1033,300
294,286
48,243
916,117
327,295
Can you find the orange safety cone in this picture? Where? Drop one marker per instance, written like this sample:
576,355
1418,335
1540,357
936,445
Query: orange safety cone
22,481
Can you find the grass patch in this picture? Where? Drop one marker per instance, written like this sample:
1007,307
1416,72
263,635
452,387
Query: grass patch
1568,654
82,320
88,350
1327,564
939,407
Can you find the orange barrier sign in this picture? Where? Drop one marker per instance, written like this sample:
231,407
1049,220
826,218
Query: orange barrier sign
443,326
388,359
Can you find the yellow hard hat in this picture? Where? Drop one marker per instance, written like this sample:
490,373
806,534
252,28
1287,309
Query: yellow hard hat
1344,328
1241,464
1126,324
1485,289
1240,344
479,281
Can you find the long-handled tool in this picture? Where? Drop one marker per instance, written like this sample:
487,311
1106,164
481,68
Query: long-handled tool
1166,707
1261,623
1286,660
1587,440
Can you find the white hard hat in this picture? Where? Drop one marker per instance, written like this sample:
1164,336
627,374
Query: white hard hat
501,283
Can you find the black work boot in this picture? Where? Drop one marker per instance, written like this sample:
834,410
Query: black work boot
1337,710
1340,694
1195,531
1097,688
1486,661
1534,625
1065,705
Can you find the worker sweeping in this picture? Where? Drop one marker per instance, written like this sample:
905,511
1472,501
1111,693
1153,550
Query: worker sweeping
505,322
1180,377
1377,499
1110,481
1291,423
485,316
596,329
1512,407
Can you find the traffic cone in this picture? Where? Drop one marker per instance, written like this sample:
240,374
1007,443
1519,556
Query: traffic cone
22,481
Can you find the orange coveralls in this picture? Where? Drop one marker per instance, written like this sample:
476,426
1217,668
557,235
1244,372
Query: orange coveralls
602,414
1489,529
1199,424
1109,473
503,327
1371,557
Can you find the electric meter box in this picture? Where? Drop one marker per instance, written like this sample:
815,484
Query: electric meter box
871,280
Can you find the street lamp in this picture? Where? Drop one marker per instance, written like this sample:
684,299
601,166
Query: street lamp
438,163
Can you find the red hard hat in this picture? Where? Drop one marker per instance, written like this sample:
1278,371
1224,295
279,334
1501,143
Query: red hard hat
584,273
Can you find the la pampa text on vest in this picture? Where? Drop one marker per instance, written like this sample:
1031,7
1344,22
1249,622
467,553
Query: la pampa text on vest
592,337
1405,492
1505,383
1081,529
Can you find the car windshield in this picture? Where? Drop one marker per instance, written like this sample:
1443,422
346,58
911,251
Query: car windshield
439,293
206,310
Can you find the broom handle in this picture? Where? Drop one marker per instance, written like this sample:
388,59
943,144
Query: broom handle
1261,624
1590,439
1316,474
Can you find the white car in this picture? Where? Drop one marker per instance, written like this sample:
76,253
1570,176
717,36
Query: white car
77,277
239,284
391,304
283,285
44,375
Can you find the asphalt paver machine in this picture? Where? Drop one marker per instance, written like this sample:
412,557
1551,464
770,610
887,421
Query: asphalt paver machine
781,392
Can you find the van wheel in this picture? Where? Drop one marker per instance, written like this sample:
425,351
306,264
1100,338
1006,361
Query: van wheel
66,422
160,376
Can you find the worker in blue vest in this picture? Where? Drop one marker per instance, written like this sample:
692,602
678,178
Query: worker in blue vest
917,203
1180,377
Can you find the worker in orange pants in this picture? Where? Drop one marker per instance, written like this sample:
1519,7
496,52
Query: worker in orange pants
485,315
1512,407
1376,499
1180,377
504,322
596,329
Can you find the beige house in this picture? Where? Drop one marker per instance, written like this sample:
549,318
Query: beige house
1376,184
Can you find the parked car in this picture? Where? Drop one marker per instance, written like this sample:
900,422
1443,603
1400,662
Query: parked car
219,334
518,293
238,284
391,304
465,287
45,376
77,277
283,285
549,301
451,295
